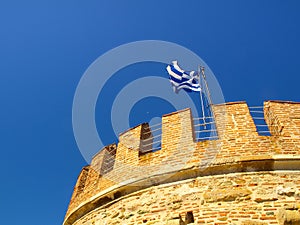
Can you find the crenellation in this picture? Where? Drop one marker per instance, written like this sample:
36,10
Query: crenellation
176,133
284,123
236,121
283,118
237,169
128,147
81,182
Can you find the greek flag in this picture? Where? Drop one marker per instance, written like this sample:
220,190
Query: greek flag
181,79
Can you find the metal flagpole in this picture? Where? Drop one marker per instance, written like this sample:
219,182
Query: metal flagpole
201,98
208,92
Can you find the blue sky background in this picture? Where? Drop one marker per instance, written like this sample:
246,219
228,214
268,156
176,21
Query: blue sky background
45,46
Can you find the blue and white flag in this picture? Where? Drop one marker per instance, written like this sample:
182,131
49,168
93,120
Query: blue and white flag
181,79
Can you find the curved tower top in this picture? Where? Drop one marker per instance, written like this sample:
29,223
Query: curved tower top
240,177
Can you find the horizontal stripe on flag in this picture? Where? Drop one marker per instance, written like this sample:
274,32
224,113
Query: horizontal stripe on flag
173,74
186,85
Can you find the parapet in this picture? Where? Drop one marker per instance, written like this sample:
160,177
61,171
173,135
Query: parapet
123,168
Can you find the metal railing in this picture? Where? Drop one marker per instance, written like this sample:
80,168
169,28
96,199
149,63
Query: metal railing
257,114
153,143
108,162
205,129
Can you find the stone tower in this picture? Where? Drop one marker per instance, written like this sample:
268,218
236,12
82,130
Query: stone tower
241,177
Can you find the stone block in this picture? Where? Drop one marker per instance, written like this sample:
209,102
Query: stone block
288,217
226,194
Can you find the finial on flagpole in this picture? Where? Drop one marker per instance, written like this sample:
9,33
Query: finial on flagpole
202,70
206,85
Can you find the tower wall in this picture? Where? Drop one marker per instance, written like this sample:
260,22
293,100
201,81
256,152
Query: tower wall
240,178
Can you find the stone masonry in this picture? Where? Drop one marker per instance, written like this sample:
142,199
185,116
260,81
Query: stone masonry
241,178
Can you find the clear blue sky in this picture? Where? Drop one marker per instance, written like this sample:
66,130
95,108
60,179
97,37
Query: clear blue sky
45,46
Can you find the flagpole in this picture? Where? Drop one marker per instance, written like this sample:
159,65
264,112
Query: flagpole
201,98
209,96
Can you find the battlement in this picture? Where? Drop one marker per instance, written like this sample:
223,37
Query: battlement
126,167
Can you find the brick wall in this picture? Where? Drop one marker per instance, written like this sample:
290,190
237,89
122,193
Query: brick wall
242,198
119,171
